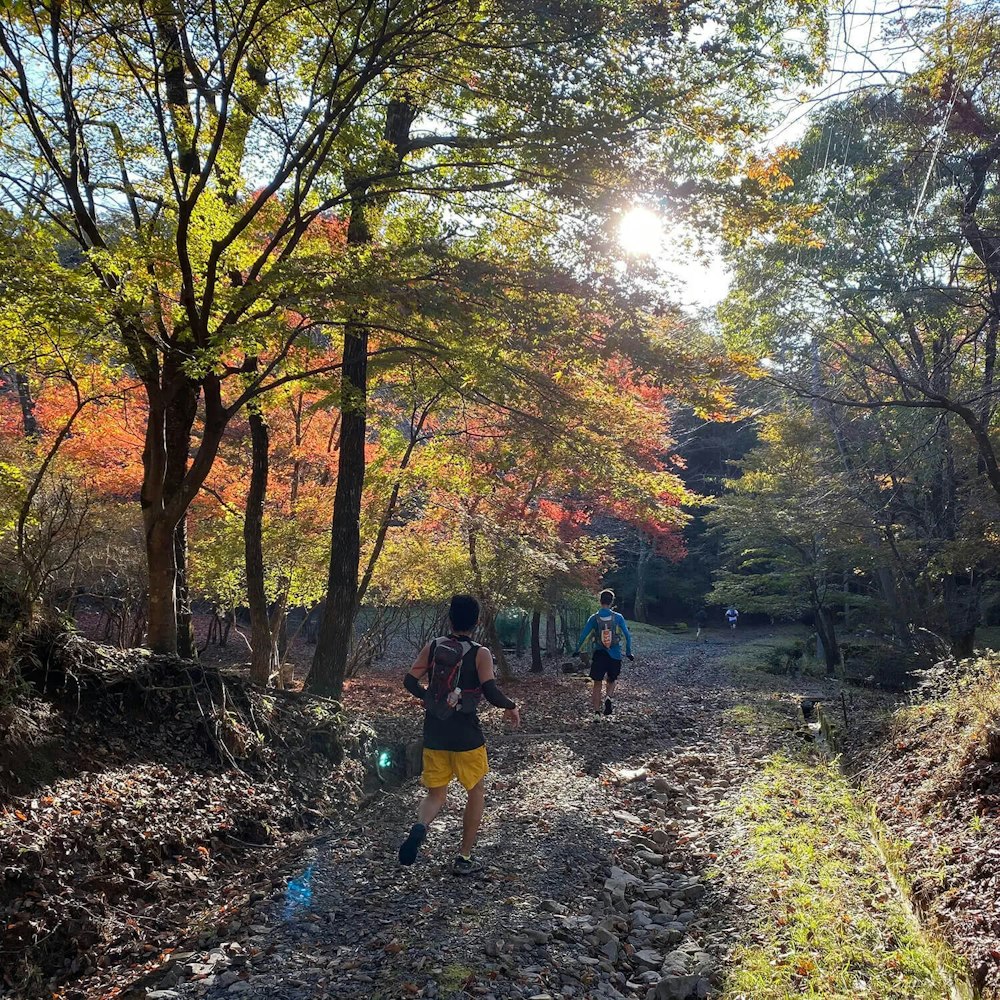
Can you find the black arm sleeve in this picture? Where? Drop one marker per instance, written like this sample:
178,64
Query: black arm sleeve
414,686
495,696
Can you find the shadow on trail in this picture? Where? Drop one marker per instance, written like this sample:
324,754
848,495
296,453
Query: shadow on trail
352,923
550,836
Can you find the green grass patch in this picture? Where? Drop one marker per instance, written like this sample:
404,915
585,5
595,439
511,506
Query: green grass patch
651,640
762,717
454,977
647,631
780,651
831,925
988,638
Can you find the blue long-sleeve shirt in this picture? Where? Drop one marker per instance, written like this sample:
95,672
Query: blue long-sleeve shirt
615,652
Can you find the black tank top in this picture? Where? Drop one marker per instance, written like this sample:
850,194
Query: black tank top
460,731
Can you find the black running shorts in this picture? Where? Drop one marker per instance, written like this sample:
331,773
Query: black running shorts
604,664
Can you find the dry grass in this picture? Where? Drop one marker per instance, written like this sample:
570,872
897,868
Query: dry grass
963,704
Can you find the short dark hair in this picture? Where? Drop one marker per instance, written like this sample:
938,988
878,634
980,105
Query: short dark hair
607,597
463,613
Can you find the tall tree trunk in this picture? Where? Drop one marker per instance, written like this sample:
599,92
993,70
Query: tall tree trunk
489,627
282,637
336,630
187,647
179,420
161,621
962,595
826,628
261,643
564,622
168,487
536,642
279,632
551,634
164,506
28,422
523,633
168,391
641,609
329,665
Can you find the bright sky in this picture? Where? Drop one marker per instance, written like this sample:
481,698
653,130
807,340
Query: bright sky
860,54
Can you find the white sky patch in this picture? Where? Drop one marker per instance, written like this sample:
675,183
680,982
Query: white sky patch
870,45
863,53
703,279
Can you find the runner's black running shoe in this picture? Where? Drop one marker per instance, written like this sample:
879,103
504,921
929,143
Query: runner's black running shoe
410,847
608,707
465,866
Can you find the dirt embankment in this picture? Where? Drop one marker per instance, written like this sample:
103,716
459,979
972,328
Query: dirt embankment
141,798
930,762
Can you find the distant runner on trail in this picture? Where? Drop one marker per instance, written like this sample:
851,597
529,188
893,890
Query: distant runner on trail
607,627
732,616
700,619
459,673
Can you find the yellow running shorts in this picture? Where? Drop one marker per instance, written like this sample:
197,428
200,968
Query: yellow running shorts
469,766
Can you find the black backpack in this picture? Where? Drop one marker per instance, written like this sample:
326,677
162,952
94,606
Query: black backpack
606,631
444,696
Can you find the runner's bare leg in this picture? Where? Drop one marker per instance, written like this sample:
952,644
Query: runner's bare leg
432,804
473,816
595,695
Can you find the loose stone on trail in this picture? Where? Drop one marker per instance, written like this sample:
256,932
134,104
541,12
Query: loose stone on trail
680,988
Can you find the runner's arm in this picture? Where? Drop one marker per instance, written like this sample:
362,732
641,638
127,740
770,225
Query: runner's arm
420,667
488,682
628,636
587,629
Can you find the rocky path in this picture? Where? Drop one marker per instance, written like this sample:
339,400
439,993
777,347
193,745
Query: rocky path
612,865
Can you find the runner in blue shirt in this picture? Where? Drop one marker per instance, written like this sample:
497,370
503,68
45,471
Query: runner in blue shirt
607,628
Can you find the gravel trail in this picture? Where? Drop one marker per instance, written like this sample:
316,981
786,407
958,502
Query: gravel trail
604,846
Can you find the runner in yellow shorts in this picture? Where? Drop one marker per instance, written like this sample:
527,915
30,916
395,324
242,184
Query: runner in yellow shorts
459,672
469,766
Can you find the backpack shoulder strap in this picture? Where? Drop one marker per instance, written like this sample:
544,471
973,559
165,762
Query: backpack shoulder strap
470,656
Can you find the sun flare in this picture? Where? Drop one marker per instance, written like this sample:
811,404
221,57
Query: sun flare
640,232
